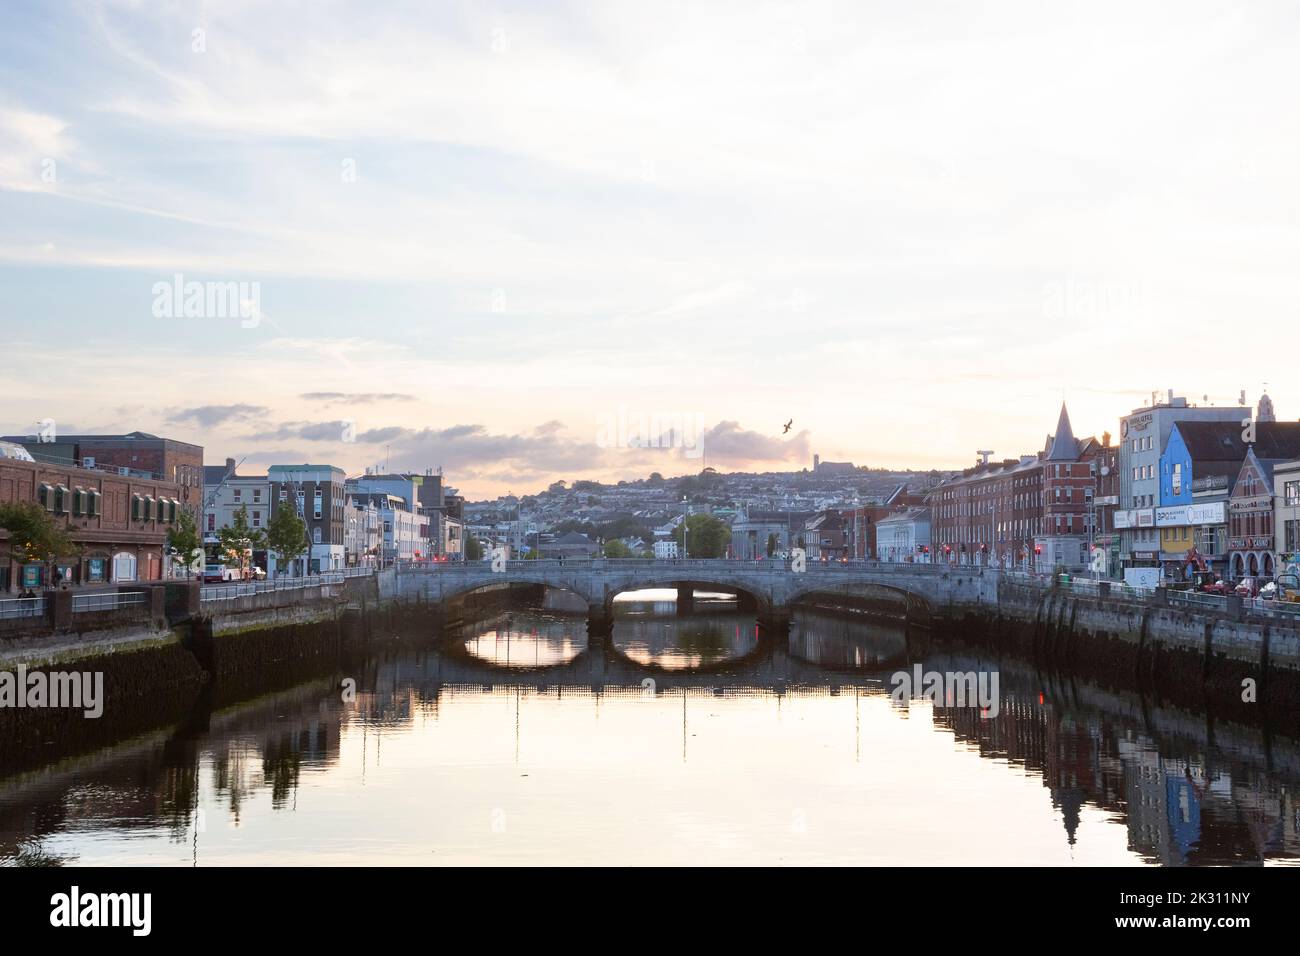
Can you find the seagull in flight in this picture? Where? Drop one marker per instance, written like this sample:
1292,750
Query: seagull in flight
787,426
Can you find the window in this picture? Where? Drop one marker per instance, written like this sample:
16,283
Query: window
93,510
146,509
315,535
45,495
257,496
79,501
212,522
317,505
257,519
136,507
238,494
1291,493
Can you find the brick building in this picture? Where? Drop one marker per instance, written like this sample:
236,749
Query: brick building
120,522
136,453
1031,512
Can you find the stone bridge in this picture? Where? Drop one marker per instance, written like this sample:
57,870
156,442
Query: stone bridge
769,587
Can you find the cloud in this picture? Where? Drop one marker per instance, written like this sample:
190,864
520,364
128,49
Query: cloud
303,431
209,416
357,398
728,443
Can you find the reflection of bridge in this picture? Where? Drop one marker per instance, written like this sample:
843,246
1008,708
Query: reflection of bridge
769,588
604,667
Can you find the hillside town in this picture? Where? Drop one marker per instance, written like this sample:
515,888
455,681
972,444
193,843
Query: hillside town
1186,492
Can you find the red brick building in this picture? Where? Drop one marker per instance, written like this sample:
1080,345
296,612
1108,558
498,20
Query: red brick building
120,522
138,452
1020,512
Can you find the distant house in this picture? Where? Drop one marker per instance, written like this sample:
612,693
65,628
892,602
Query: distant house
571,545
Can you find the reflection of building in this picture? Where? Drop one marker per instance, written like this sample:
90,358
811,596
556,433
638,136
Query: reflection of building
120,522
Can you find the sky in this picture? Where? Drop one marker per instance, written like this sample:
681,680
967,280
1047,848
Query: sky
526,242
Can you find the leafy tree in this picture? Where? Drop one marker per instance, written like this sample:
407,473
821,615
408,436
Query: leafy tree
705,536
655,480
617,549
183,538
473,550
239,537
34,537
771,544
286,535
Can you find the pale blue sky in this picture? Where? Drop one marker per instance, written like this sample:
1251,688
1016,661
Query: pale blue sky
912,228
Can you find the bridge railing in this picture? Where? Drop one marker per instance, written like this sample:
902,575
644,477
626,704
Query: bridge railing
700,564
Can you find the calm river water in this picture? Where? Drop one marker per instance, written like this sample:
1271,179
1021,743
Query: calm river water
686,740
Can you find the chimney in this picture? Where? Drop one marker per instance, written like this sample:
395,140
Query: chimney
230,466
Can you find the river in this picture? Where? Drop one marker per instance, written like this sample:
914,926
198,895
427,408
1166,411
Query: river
681,740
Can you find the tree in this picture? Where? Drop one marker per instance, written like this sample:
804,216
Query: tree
286,535
34,538
705,536
239,538
473,550
184,539
771,544
617,549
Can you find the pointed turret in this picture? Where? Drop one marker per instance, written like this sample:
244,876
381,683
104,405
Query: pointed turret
1064,446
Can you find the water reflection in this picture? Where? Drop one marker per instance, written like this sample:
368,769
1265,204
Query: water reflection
531,640
649,631
787,753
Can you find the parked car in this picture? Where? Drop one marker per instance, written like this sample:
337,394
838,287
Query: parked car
218,573
1247,587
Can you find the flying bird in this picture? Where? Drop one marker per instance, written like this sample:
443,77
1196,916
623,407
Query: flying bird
787,426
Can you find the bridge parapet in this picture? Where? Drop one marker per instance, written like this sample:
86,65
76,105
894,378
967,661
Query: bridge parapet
772,584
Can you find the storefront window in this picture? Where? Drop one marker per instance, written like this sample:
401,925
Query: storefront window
32,575
95,568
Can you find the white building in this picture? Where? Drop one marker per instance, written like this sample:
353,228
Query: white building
904,537
362,534
665,549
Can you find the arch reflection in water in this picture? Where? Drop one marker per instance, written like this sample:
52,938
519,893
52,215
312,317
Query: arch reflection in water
529,638
649,631
847,643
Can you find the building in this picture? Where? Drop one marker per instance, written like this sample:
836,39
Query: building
665,549
363,534
224,493
860,520
317,495
1286,513
571,545
751,529
1034,512
989,514
120,522
1252,545
1069,513
1144,433
904,536
136,454
824,536
1198,468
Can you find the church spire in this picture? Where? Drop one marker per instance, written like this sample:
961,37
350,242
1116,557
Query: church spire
1064,445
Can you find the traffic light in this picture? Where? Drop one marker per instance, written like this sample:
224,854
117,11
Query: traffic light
1038,549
